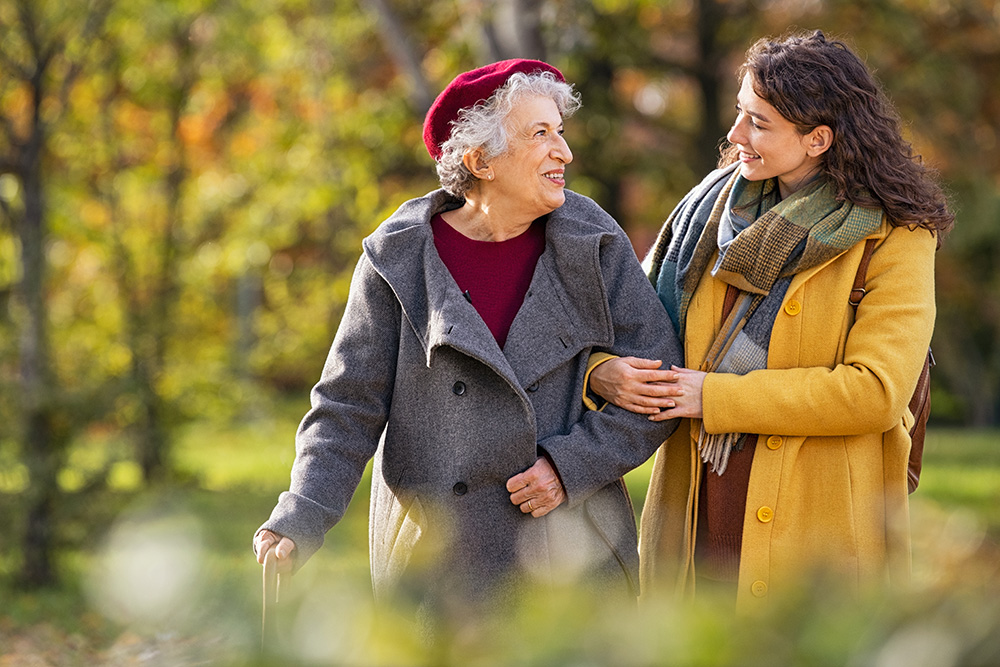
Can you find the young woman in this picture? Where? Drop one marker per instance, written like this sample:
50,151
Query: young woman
791,458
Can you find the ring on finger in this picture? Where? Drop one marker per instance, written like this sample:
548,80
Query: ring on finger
530,508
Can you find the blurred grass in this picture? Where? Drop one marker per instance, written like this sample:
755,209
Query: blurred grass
232,472
962,472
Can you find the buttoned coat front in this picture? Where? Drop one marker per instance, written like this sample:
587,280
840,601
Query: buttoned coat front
827,485
415,379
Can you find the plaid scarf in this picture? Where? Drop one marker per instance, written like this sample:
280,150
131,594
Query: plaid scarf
762,242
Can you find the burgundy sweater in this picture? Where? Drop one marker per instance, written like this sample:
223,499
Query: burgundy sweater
493,275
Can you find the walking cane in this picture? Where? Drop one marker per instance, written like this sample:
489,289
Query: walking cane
272,592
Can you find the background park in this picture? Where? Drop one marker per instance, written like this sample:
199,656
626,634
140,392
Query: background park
184,185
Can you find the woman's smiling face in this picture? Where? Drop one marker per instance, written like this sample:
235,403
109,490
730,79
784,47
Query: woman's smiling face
531,174
771,146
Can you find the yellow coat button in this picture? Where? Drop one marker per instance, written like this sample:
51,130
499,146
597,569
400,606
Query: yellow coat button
793,307
765,514
759,589
774,442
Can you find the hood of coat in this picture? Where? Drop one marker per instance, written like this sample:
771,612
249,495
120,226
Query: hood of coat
565,310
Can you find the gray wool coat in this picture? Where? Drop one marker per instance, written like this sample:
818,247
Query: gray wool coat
416,380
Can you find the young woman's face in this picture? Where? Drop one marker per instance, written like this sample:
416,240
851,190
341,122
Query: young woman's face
769,145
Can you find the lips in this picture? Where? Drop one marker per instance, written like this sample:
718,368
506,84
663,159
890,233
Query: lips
748,157
557,177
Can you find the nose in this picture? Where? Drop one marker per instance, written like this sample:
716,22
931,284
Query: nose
561,151
737,133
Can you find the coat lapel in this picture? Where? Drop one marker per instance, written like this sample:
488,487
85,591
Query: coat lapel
565,309
402,251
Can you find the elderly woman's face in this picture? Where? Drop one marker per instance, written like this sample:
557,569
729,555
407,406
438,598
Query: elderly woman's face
531,174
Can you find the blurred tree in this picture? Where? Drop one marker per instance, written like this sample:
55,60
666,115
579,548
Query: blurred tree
45,47
157,109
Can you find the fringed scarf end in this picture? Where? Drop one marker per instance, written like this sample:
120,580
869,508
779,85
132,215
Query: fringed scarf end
715,448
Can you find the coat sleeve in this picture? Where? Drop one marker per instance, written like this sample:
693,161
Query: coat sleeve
350,404
883,355
604,445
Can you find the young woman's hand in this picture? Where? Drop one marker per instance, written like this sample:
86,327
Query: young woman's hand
641,386
687,395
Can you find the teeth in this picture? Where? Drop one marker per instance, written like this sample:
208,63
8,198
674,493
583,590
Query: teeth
554,176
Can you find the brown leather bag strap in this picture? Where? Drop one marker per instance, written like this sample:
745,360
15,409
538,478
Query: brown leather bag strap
858,289
920,402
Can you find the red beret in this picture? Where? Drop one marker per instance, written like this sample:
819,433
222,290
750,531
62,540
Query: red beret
469,89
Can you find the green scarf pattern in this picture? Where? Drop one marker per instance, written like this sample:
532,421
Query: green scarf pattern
762,243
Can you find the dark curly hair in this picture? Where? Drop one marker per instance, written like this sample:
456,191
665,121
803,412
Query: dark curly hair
812,81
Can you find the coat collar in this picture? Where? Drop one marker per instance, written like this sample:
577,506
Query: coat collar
564,311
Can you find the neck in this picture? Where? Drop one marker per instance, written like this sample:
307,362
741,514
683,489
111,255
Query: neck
481,220
788,189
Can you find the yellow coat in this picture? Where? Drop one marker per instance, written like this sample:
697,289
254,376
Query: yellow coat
828,483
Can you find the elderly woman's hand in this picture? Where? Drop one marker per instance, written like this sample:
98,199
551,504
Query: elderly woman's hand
537,490
637,385
265,539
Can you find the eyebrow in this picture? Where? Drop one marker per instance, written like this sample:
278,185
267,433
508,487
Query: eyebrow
543,124
752,113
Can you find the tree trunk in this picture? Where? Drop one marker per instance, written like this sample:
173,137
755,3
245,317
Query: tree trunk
709,22
40,446
526,19
404,54
152,440
44,429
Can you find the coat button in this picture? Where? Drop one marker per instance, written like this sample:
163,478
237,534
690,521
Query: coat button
765,514
460,488
758,588
774,442
534,387
793,307
459,388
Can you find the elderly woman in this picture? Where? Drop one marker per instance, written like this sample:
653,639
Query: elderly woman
457,366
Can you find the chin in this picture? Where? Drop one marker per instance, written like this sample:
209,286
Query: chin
748,172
